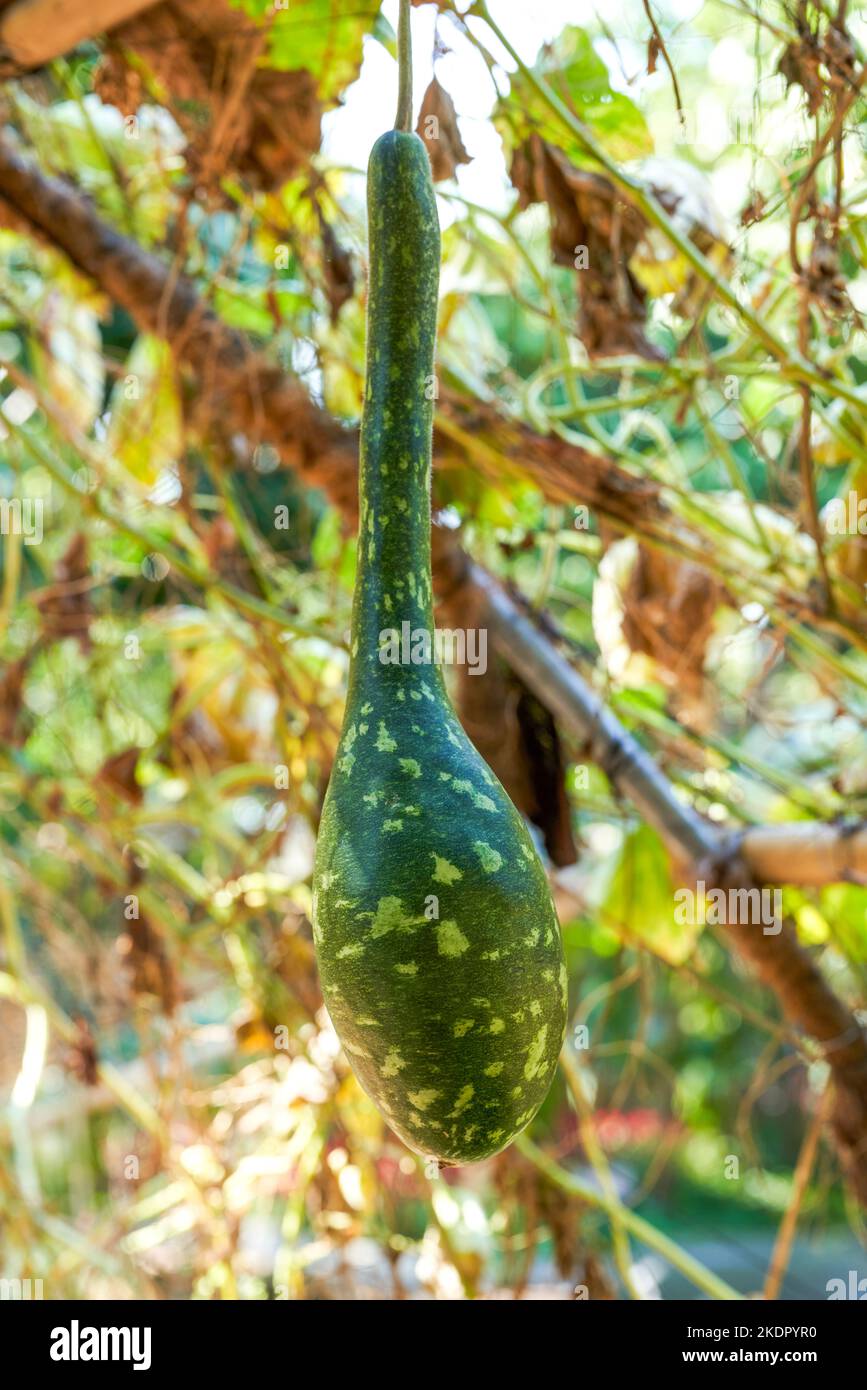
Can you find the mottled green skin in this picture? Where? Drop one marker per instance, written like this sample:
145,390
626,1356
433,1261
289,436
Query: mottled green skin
437,940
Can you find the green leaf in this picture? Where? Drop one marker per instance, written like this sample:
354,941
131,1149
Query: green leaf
574,70
638,897
384,34
245,308
328,540
844,905
323,36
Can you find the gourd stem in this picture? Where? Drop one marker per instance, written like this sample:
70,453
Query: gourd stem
403,119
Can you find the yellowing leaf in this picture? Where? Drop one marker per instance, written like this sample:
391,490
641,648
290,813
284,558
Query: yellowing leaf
145,432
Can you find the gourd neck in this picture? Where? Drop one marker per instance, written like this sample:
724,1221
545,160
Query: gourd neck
393,584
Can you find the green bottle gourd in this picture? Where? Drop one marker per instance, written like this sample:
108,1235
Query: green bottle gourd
437,940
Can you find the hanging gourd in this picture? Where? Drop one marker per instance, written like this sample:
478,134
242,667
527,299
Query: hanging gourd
438,944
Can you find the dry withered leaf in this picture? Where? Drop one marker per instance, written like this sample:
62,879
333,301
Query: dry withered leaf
799,65
142,950
82,1059
221,539
594,230
824,64
840,55
283,130
517,736
261,123
669,608
595,1280
547,801
289,953
563,1219
191,743
12,697
337,267
825,279
65,604
801,60
117,774
438,128
754,210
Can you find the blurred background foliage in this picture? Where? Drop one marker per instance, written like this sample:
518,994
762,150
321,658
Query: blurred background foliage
176,1117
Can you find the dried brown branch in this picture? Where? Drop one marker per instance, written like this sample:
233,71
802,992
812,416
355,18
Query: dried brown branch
806,853
32,32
